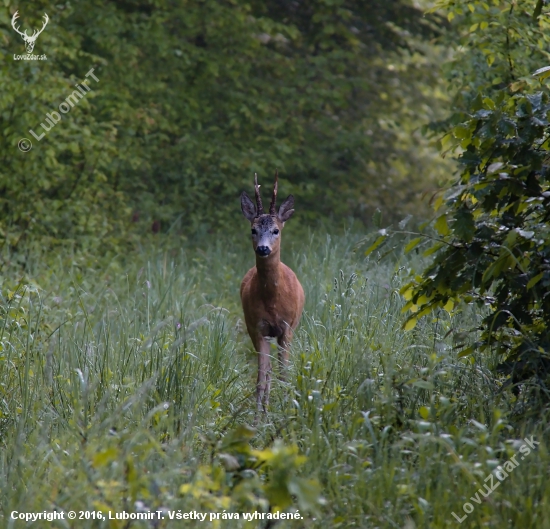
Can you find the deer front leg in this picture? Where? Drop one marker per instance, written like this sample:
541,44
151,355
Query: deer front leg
263,386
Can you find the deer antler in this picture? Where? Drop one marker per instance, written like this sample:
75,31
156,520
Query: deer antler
29,40
260,208
13,19
274,198
46,20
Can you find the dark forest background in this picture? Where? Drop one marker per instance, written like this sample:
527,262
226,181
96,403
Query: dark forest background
194,97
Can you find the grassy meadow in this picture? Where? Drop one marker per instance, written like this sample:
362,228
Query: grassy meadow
127,385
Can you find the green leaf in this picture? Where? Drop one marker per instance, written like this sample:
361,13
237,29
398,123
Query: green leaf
377,218
437,246
447,142
377,243
464,225
466,352
534,280
441,225
104,457
410,323
412,244
462,131
424,384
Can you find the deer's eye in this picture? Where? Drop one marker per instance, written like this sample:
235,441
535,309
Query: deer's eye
254,231
275,232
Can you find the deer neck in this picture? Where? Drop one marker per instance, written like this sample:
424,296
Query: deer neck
269,275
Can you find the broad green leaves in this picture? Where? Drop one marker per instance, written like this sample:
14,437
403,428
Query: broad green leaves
497,252
463,226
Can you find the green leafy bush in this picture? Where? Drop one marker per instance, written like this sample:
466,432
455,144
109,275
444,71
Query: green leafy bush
494,231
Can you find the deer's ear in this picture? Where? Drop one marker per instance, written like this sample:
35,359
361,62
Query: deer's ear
286,211
248,207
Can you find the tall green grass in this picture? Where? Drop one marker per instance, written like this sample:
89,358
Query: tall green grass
125,385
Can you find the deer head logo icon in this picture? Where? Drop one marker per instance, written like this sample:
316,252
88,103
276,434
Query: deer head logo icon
29,39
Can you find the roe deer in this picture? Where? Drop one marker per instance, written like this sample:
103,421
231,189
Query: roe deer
271,294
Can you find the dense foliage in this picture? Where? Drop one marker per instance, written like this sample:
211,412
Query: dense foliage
493,243
194,97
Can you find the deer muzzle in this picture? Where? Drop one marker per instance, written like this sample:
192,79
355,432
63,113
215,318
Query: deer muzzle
263,251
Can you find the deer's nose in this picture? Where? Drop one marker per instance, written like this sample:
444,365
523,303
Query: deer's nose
263,251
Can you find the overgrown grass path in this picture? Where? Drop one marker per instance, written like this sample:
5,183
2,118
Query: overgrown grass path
128,386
